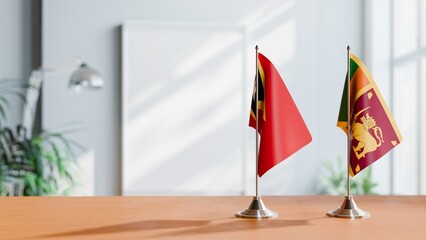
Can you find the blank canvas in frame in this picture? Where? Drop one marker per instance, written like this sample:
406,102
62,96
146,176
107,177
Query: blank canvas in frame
182,109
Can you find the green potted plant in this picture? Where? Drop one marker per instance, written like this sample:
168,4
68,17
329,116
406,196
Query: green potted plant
333,180
40,164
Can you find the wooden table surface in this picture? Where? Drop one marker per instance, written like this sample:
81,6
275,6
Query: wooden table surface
301,217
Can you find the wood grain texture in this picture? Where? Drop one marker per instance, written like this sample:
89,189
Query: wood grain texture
301,217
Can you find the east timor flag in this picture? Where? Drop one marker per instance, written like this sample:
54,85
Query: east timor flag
281,127
373,130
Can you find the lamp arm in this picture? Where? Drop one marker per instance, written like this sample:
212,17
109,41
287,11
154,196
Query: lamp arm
33,93
32,96
82,76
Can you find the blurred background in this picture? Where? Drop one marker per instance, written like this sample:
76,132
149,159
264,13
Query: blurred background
172,117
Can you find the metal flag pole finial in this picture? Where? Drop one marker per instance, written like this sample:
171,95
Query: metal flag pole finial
348,209
257,208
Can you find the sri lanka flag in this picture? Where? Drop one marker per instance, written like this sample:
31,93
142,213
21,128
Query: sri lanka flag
373,130
280,125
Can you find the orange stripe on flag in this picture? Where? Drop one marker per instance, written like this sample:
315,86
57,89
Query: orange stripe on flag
360,80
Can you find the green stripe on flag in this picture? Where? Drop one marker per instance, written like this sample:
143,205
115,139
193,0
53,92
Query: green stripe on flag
354,67
343,112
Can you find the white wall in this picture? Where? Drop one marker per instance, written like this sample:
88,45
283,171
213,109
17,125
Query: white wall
311,59
15,47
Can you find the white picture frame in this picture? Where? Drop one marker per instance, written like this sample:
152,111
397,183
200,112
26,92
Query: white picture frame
183,101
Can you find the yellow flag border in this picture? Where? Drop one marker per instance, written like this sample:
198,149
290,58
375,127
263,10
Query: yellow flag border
262,78
379,95
260,104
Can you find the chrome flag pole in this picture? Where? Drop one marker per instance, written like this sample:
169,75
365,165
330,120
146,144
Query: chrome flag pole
348,209
257,208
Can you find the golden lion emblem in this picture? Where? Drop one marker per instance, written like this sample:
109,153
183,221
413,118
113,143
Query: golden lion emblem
366,141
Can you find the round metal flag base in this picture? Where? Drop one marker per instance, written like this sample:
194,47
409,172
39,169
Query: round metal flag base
257,209
349,209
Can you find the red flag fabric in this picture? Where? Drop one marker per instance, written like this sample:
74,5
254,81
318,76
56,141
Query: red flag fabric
281,127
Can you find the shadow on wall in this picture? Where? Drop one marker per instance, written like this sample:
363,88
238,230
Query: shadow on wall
187,101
